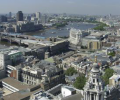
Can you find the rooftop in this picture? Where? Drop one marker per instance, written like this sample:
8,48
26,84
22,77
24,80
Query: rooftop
15,83
50,60
115,77
20,95
24,90
69,88
74,97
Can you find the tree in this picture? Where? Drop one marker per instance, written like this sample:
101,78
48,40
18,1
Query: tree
112,54
80,82
83,47
108,73
70,71
62,24
100,27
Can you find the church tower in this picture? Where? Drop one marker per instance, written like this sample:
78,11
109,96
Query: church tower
93,89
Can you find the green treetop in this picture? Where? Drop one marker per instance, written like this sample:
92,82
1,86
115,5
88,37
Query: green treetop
70,71
80,82
108,73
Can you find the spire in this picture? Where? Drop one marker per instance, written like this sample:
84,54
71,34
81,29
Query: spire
95,59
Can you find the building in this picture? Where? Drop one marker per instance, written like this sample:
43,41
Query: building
3,18
112,93
101,57
4,60
9,58
19,16
58,47
112,90
59,92
27,27
38,15
94,40
41,95
28,18
15,90
10,14
13,72
94,90
76,36
114,80
44,19
12,57
44,73
67,91
82,67
94,45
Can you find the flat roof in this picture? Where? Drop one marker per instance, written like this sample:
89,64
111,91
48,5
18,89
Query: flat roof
15,83
74,97
69,88
23,92
20,95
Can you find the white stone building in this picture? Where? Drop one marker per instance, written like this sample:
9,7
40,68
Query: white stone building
76,36
94,89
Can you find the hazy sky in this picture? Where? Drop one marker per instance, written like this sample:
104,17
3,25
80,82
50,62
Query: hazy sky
61,6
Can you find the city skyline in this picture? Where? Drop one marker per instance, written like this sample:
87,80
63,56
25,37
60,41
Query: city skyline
92,7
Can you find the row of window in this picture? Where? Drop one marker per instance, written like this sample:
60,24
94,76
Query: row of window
97,80
29,82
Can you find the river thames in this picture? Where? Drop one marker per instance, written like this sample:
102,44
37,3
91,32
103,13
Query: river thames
64,31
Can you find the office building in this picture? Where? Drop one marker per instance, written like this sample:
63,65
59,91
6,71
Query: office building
12,57
3,18
10,14
19,16
44,19
38,15
28,18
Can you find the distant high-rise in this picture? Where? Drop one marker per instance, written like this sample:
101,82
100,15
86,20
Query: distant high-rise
3,18
28,18
38,15
10,15
44,19
19,16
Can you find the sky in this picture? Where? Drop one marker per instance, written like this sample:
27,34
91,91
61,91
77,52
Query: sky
90,7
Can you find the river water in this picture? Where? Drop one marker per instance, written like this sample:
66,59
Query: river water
64,31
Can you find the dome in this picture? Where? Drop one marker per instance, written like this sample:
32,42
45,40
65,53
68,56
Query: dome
95,68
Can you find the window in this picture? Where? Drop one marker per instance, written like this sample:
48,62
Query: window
97,80
91,45
92,97
93,80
